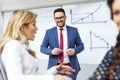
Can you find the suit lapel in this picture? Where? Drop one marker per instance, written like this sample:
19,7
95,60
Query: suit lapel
68,35
56,36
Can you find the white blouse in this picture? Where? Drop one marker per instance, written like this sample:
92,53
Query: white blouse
19,64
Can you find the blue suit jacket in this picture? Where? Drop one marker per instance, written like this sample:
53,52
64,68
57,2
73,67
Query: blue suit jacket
51,41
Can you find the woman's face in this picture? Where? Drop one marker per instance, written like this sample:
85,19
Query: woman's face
30,30
116,12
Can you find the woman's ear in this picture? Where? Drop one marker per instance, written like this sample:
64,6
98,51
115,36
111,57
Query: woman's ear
22,28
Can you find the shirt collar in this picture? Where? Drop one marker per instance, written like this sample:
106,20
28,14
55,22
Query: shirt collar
64,27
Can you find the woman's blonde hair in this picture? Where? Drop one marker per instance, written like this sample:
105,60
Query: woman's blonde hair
19,19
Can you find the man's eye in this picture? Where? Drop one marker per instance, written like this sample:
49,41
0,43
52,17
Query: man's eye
59,17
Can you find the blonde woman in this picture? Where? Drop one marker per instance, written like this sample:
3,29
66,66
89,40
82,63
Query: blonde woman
18,59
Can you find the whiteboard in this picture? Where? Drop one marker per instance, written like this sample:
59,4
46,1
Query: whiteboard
96,30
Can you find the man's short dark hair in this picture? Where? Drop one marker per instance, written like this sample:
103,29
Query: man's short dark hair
59,10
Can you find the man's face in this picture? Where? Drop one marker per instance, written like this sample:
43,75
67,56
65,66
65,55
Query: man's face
60,19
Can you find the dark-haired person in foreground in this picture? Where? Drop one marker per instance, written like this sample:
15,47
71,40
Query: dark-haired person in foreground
109,68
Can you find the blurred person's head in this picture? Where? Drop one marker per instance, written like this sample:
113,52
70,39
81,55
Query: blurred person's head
114,6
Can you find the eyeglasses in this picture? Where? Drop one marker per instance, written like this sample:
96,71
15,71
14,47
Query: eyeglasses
59,17
117,12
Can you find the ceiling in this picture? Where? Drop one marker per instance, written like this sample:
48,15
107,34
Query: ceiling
6,5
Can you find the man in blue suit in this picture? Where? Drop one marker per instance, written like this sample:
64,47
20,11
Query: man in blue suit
72,44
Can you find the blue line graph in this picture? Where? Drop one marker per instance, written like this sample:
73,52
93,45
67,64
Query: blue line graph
88,17
104,43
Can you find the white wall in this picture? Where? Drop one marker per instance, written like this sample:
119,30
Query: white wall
10,5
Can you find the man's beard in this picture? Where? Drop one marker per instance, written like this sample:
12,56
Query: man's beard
63,24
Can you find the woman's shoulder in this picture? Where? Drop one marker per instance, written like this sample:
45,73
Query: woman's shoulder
14,47
109,54
110,51
13,42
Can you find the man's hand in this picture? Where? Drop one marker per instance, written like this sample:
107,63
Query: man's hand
56,51
70,51
64,69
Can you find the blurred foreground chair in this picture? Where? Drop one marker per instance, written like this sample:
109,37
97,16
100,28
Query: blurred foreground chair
3,75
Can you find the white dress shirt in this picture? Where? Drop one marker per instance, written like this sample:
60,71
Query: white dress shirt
20,65
65,44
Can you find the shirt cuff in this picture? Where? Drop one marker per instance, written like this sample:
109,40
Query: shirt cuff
52,70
